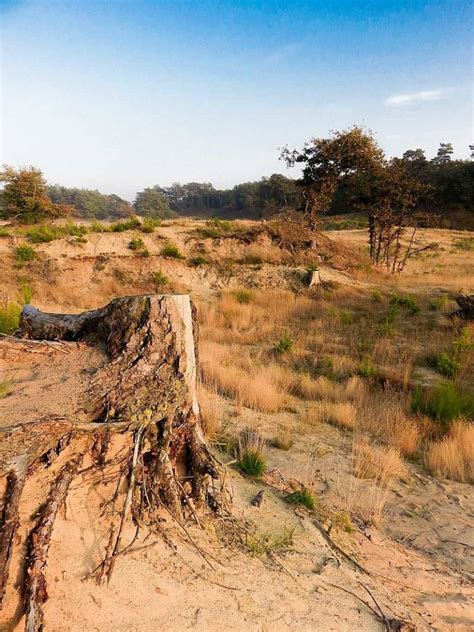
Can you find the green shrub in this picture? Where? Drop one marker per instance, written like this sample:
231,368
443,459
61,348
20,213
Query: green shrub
24,253
97,227
158,279
366,368
121,227
252,462
136,244
464,244
407,301
346,316
377,296
4,232
42,234
438,303
171,251
9,317
198,260
149,225
446,364
443,404
285,344
387,328
243,296
303,497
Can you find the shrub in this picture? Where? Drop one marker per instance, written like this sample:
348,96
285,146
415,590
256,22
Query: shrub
250,453
282,442
24,253
252,260
377,296
443,404
446,364
136,244
159,279
42,234
149,225
171,251
366,367
438,303
285,344
346,316
4,232
303,497
243,296
464,244
9,317
199,260
120,227
407,300
387,328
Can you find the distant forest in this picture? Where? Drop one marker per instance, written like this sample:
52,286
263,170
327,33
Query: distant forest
450,201
448,198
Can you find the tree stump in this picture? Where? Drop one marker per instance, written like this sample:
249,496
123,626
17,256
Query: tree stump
147,390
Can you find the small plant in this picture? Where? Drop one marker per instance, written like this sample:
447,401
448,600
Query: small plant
387,328
265,543
282,442
159,279
171,251
443,404
42,234
377,296
149,225
250,453
366,367
5,388
346,316
80,240
136,244
285,344
243,296
9,316
407,301
251,260
121,227
464,244
197,261
24,253
446,364
438,303
303,497
4,232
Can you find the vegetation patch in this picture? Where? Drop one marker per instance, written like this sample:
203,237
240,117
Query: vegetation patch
443,404
303,497
171,251
24,253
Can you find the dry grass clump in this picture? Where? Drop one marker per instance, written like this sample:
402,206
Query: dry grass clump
251,453
453,457
249,383
326,390
380,463
211,412
342,415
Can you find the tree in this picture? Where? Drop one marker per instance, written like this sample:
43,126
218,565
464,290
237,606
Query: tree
25,195
332,162
444,154
91,204
152,203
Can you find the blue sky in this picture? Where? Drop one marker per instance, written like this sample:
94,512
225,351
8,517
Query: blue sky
122,94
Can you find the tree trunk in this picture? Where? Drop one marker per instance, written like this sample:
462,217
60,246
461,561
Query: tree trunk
9,523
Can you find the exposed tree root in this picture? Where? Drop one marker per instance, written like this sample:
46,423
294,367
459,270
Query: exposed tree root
9,523
40,538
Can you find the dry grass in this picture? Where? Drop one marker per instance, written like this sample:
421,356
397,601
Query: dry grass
342,415
211,413
247,383
380,463
453,457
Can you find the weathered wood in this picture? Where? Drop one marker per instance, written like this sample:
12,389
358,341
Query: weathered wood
38,547
9,523
466,306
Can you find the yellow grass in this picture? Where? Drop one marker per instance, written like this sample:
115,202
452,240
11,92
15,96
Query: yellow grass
380,463
453,457
342,415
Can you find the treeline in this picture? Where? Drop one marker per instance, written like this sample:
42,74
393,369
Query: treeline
448,198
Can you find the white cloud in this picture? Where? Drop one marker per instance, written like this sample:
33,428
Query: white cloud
398,100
